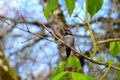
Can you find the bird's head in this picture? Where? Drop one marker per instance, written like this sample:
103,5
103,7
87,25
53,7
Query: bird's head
68,32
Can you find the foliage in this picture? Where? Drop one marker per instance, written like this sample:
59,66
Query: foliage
118,72
59,69
79,76
53,4
74,62
100,59
94,6
114,48
71,68
70,4
61,73
50,8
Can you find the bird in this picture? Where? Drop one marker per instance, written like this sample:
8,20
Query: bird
69,41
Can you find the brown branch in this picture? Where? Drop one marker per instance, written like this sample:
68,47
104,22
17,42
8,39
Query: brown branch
38,35
24,47
107,41
100,19
61,41
16,21
25,24
91,60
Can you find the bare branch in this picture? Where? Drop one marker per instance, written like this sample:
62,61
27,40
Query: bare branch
26,23
91,60
28,40
29,32
61,41
100,19
107,41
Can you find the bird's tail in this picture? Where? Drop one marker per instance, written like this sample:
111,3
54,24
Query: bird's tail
68,51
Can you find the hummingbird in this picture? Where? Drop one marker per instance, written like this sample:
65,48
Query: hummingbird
69,41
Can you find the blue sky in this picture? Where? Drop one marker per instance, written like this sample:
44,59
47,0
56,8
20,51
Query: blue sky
33,11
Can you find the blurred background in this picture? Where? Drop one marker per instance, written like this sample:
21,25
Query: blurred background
34,58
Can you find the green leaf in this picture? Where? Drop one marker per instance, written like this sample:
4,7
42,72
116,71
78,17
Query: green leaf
59,69
52,5
118,72
100,59
61,64
110,61
114,48
94,6
60,76
79,76
74,62
70,4
118,44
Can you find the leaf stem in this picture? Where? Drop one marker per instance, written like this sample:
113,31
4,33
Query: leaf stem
106,72
91,34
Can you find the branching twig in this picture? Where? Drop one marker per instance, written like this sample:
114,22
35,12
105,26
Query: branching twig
25,24
100,19
30,32
51,33
61,41
91,60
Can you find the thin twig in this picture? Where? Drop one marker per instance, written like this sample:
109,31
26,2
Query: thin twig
51,33
100,19
91,60
61,41
25,24
30,32
80,18
107,41
28,40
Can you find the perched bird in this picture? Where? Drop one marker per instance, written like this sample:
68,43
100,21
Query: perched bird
69,41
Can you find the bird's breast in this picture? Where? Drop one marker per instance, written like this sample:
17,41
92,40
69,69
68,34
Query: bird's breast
69,40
